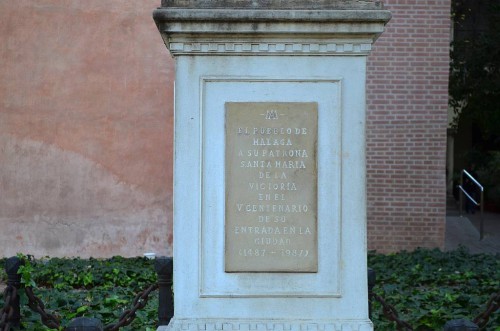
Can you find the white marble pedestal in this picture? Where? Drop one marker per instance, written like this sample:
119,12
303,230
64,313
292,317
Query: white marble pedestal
251,254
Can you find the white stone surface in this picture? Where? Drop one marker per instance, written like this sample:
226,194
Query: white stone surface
312,60
202,288
327,92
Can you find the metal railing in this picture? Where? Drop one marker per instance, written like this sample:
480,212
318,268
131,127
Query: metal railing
471,198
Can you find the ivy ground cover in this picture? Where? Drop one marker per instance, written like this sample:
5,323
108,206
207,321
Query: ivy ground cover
430,287
427,287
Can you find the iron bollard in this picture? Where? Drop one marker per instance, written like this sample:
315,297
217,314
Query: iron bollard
13,279
85,324
460,325
372,278
164,269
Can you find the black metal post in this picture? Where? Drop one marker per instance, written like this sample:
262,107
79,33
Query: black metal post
13,279
460,325
164,269
85,324
372,278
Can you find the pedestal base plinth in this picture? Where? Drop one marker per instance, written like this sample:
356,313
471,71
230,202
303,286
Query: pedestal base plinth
266,325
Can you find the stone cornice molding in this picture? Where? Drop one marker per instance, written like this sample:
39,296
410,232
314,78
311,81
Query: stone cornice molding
195,27
274,4
278,15
226,47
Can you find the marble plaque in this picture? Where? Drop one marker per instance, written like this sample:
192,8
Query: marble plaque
271,187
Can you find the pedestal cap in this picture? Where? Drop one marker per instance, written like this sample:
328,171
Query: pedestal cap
206,26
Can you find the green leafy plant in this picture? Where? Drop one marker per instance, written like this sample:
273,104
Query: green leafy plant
474,85
427,287
75,287
430,287
26,271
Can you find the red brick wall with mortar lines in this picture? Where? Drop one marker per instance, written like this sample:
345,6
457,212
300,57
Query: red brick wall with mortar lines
407,94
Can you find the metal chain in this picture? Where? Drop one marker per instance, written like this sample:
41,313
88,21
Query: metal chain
391,314
128,315
492,306
35,304
142,298
7,311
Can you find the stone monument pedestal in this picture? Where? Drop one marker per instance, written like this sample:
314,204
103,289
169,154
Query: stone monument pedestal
269,179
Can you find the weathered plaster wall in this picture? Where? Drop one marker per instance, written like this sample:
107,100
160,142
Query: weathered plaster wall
86,116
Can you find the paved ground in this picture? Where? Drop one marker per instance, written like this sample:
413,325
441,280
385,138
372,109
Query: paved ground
464,230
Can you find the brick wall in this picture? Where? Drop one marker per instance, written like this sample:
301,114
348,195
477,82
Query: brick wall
406,127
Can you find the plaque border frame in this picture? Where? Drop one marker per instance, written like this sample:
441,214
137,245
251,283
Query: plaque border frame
204,276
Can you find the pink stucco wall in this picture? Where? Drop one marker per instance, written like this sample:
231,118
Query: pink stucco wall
85,129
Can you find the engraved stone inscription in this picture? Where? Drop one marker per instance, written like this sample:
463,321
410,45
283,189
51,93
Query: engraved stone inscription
271,187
